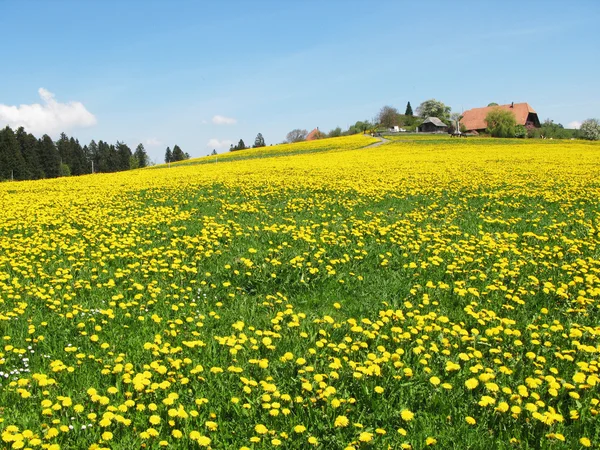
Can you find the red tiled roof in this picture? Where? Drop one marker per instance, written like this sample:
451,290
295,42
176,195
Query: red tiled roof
313,134
474,119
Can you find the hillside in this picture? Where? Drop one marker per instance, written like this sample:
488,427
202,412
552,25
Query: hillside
422,292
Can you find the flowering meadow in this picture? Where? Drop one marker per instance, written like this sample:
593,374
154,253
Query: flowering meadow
441,293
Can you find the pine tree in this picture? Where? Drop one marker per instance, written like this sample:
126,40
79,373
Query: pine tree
124,155
28,145
141,155
12,163
64,149
168,155
49,157
77,162
241,145
409,111
113,161
259,141
103,157
93,156
178,154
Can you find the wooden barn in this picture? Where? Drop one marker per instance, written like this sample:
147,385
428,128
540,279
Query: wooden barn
474,119
433,125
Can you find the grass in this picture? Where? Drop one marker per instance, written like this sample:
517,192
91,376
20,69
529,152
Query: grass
430,293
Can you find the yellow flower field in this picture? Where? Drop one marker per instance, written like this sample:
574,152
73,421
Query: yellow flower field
414,294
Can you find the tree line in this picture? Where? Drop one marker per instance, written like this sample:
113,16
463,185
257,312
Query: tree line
25,157
175,155
259,141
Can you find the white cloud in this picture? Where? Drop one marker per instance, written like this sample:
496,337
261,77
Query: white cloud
575,124
153,142
222,120
50,117
217,144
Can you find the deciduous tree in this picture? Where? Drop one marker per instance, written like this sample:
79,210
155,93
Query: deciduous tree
590,129
501,123
434,108
388,117
296,135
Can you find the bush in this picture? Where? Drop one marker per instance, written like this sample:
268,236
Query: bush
65,170
590,130
520,131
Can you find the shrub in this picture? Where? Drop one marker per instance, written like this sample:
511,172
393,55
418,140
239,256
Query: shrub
520,131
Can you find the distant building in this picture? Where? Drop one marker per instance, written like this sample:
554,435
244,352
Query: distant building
433,125
314,135
474,119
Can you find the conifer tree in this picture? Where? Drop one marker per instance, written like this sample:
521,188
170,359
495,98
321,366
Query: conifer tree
178,154
123,156
12,163
28,145
168,155
141,155
409,111
49,157
259,141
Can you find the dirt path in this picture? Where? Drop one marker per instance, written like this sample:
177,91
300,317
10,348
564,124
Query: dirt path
382,140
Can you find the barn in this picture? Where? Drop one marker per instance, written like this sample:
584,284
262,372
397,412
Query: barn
433,125
474,119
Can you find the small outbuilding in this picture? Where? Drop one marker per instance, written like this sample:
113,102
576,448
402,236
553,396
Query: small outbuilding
433,125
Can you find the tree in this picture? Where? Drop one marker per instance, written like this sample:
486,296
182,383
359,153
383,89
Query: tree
12,163
296,135
336,132
214,152
49,157
493,104
77,162
29,149
409,111
259,141
241,145
168,155
501,123
388,117
141,156
590,129
178,154
360,127
93,155
434,108
123,156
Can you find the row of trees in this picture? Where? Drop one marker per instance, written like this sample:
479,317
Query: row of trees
175,155
259,141
25,157
502,123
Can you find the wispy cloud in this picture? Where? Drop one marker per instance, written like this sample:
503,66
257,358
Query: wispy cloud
222,120
50,117
153,142
219,144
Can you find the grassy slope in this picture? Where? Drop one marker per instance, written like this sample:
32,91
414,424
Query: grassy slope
322,277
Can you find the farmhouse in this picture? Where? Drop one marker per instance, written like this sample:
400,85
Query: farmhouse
474,119
314,134
433,125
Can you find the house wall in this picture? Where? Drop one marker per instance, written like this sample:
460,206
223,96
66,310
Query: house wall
431,128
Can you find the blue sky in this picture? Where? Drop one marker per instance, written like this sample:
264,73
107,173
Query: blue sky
159,72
